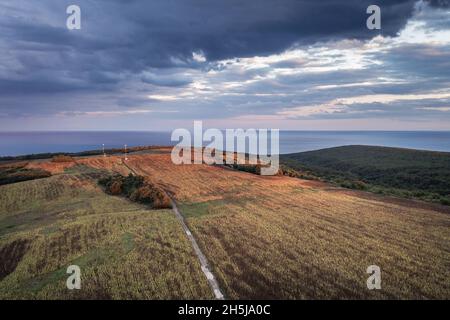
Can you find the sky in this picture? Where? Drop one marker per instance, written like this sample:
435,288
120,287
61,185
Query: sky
284,64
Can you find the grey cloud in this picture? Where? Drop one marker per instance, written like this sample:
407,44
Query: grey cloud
135,35
128,50
440,3
166,80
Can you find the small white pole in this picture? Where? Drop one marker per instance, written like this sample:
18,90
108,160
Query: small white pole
103,147
126,158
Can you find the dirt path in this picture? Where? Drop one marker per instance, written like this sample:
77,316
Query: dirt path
201,257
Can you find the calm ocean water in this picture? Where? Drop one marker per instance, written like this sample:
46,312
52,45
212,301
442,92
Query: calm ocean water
18,143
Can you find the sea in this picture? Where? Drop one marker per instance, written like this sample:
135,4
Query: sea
21,143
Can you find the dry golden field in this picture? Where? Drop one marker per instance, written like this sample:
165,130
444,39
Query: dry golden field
265,237
280,237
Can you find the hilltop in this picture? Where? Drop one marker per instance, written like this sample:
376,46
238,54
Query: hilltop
392,171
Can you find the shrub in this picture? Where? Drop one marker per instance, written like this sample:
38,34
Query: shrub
251,168
136,189
359,185
153,195
445,201
115,188
131,183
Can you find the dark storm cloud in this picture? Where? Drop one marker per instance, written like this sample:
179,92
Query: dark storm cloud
129,54
234,28
131,36
440,3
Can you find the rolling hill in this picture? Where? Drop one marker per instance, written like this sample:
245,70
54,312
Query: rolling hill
391,171
264,237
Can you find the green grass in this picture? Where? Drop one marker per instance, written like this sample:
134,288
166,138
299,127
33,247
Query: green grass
199,209
392,171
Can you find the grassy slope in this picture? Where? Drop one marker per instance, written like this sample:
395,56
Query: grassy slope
124,250
280,237
404,172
